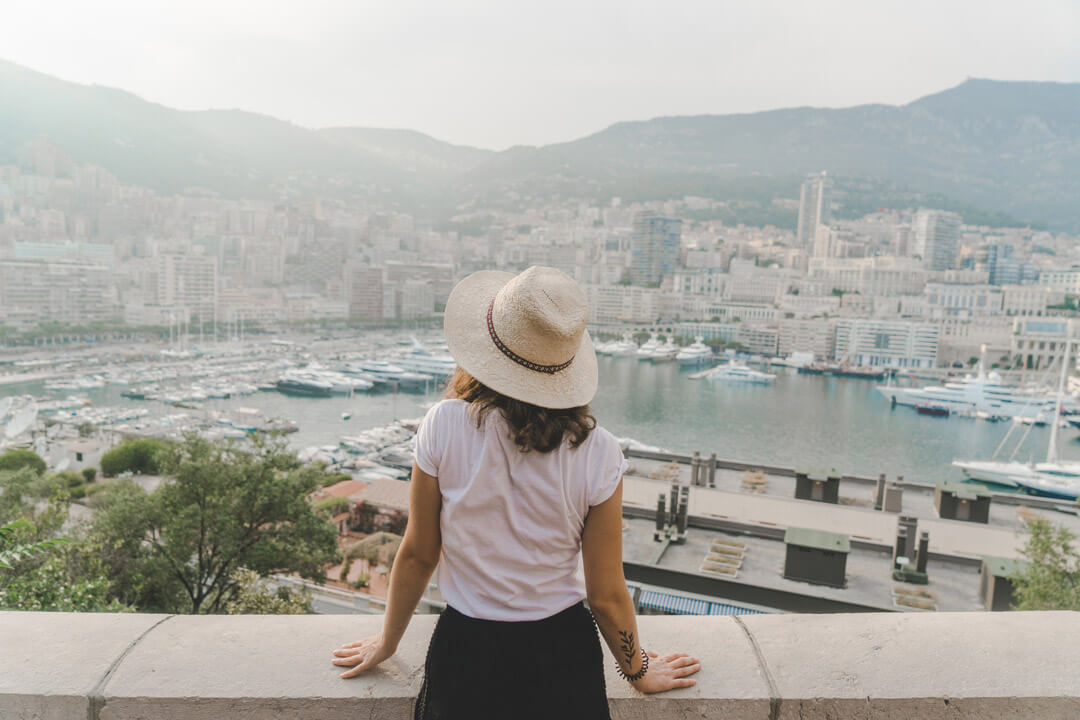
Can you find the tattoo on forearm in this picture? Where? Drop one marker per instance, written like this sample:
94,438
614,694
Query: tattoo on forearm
626,644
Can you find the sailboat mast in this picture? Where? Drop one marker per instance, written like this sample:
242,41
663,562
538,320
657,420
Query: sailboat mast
1051,450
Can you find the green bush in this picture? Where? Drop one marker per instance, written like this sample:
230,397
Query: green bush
96,488
89,474
140,456
71,478
18,458
77,492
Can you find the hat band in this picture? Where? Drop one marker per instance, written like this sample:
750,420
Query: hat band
549,369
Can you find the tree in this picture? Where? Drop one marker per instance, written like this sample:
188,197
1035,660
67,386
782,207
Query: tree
227,505
14,546
139,455
38,568
1051,580
252,597
18,458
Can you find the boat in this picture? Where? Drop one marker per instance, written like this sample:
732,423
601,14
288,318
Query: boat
1053,478
622,348
392,374
303,385
795,360
841,370
421,360
665,352
739,372
346,415
648,348
603,348
982,392
932,410
696,354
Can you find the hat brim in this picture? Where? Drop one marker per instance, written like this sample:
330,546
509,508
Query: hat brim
465,326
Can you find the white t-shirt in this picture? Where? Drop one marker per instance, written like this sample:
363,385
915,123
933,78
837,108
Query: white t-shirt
511,521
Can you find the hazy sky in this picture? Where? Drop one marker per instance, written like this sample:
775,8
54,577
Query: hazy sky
495,73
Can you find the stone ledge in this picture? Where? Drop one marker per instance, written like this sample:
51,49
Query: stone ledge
58,666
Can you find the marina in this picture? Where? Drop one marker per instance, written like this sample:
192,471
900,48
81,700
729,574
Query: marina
349,384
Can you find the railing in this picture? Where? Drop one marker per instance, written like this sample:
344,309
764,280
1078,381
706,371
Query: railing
62,666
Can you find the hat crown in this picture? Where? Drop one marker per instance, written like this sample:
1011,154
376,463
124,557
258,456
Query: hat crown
541,315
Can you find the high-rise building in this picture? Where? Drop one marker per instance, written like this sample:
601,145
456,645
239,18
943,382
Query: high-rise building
188,280
654,249
822,242
61,291
814,207
935,237
365,293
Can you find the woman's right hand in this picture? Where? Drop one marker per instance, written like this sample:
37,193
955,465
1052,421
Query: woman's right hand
668,672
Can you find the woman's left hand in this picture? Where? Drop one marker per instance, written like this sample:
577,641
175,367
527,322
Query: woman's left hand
362,655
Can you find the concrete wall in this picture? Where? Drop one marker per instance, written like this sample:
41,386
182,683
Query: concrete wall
64,666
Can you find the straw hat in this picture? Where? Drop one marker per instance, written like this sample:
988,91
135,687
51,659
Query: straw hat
524,335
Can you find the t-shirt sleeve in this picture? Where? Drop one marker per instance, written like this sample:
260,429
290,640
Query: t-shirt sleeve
428,443
606,475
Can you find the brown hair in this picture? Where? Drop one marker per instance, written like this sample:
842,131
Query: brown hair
532,427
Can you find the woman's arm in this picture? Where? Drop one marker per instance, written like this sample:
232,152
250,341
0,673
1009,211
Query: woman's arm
415,561
609,599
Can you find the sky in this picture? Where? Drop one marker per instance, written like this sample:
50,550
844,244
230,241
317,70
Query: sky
498,73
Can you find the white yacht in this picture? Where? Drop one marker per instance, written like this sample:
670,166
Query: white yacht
421,360
648,348
622,348
739,372
391,373
973,394
696,354
1053,478
665,352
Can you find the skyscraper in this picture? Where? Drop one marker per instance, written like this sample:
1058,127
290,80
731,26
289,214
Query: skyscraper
935,237
814,207
654,249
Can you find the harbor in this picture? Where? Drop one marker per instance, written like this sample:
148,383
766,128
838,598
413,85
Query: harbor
792,420
753,460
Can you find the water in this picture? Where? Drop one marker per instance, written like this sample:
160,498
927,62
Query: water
798,420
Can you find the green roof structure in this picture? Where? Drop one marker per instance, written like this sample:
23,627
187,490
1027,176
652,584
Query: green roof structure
818,539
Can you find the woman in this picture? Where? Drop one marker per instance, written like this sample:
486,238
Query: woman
520,493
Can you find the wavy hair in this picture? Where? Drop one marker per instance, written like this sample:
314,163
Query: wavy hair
531,427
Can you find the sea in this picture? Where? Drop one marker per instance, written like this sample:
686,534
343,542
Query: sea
798,420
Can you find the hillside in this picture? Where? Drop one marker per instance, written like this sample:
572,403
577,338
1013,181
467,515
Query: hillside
1007,147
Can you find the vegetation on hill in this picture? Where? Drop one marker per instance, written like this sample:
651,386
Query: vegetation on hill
1002,149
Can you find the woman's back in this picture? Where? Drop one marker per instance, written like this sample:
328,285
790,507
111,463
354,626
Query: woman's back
516,496
511,521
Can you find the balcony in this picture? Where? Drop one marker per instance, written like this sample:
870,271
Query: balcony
59,666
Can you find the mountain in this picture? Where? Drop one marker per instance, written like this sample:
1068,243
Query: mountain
227,151
410,150
1011,148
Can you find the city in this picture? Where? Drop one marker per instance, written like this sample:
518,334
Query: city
840,361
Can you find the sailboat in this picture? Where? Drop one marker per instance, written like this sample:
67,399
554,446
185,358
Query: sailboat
1053,478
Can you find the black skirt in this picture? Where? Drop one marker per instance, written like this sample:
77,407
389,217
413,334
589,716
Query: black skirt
489,670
